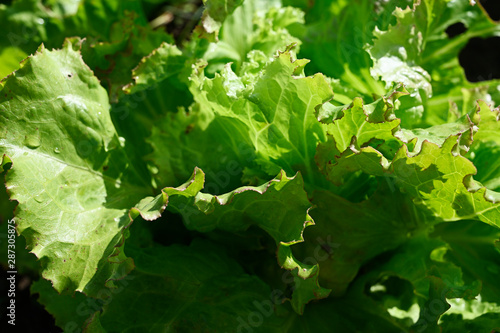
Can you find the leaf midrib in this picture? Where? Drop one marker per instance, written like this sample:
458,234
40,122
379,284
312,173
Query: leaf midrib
67,164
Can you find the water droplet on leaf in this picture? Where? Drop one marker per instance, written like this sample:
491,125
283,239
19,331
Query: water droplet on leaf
32,141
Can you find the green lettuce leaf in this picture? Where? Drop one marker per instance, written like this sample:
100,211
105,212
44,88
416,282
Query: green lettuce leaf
477,253
69,174
427,59
214,14
485,149
271,119
372,210
428,164
437,176
163,62
279,207
115,58
354,227
350,131
183,288
336,35
423,262
116,34
143,103
256,29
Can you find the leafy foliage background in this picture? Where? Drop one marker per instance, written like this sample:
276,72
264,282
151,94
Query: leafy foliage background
271,166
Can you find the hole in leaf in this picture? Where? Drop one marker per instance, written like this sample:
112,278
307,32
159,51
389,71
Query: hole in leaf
5,167
480,59
456,29
492,8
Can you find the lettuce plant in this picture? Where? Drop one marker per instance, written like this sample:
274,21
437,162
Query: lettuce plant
287,166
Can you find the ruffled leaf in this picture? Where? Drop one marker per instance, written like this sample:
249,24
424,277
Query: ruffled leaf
69,174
